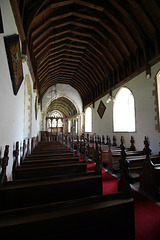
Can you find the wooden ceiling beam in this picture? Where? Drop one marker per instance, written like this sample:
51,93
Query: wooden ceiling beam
73,66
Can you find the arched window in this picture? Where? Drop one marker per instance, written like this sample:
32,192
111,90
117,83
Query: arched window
124,111
88,120
56,114
69,126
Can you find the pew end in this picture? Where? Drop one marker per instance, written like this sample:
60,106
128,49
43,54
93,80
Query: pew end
150,177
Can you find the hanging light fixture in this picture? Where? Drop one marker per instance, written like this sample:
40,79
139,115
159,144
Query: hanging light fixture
148,72
52,91
110,97
55,92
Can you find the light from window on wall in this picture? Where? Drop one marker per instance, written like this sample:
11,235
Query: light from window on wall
76,127
124,111
158,95
69,126
88,120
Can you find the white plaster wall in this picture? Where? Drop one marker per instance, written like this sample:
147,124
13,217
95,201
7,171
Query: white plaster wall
145,105
63,90
11,106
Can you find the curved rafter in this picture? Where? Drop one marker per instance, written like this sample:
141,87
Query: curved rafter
90,44
63,105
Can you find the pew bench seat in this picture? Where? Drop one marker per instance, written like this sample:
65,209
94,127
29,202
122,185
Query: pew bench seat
37,171
51,190
85,218
45,162
50,158
50,155
115,155
46,178
150,177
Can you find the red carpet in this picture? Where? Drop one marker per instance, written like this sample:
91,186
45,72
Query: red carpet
147,218
109,182
147,213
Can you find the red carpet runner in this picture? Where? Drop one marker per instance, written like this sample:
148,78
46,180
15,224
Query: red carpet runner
147,213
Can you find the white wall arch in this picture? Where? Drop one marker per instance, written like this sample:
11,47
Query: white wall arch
63,90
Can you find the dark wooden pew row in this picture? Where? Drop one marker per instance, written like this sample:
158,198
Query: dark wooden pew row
56,151
49,145
20,194
108,149
150,177
114,157
88,218
51,161
51,155
49,170
73,217
50,148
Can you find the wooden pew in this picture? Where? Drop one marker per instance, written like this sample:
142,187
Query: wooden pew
47,190
76,217
45,166
150,177
4,164
111,215
50,161
43,188
49,170
110,153
39,167
50,155
114,157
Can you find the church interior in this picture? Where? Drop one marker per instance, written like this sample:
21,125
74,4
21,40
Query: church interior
80,119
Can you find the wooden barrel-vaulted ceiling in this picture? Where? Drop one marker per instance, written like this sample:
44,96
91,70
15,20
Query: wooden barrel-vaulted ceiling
93,45
65,106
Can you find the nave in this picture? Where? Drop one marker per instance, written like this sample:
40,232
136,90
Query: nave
34,205
62,206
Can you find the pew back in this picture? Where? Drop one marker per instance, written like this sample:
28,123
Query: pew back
51,190
63,169
87,218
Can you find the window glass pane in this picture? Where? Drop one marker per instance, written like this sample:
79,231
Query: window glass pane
60,123
158,95
56,114
54,123
69,126
124,111
88,120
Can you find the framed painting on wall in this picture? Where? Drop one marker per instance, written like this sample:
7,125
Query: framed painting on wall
14,61
101,109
